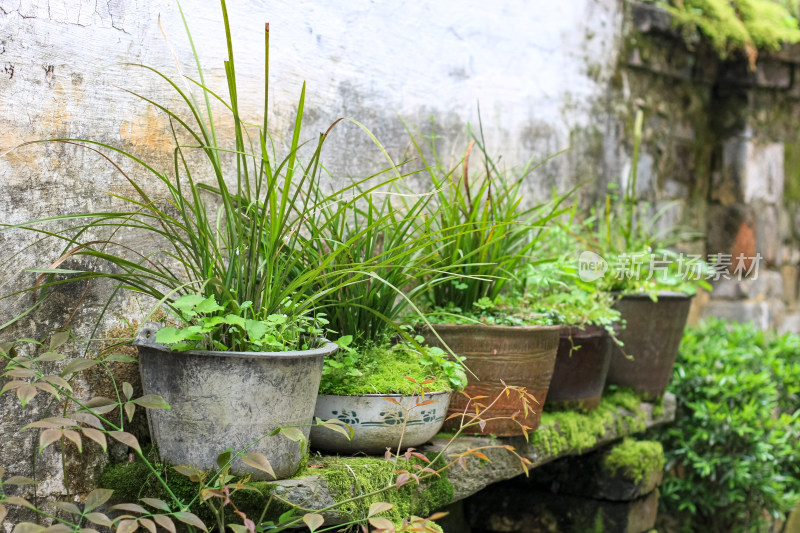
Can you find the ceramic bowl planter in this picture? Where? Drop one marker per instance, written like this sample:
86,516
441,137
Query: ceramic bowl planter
377,421
652,336
581,368
519,355
225,400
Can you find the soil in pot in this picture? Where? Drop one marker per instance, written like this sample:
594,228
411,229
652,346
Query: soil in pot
650,339
523,356
223,400
582,363
379,421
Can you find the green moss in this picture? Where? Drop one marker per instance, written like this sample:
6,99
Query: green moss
132,481
380,369
737,25
791,169
572,431
635,459
353,476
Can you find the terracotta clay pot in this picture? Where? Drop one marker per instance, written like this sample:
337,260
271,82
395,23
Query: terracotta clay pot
523,356
581,367
651,339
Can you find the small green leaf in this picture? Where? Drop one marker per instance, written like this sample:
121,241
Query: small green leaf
119,358
77,365
208,306
152,401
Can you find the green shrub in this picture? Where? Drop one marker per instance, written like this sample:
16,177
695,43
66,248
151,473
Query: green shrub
733,453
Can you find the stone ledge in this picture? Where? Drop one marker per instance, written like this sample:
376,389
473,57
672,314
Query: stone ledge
311,491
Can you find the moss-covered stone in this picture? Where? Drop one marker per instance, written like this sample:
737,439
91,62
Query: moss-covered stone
133,481
634,459
737,25
572,431
351,477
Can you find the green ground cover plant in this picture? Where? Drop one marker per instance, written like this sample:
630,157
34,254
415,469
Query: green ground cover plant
733,452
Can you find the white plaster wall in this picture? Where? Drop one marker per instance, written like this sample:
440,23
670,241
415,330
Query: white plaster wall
539,69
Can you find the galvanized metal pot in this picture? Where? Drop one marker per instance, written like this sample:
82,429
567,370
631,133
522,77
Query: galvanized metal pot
229,400
378,422
581,368
651,337
519,355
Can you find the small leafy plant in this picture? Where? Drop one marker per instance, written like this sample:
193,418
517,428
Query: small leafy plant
733,452
207,326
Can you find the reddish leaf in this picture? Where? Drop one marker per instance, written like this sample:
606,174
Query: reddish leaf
26,393
152,401
58,381
69,507
402,479
191,519
148,524
259,462
127,439
127,526
11,385
89,419
20,480
97,436
420,456
97,497
130,409
382,524
426,402
49,389
127,390
77,365
161,505
28,527
48,437
379,507
16,500
481,455
21,373
165,522
130,507
75,438
98,518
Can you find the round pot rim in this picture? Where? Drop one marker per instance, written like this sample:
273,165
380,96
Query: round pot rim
492,327
667,295
586,331
387,395
146,339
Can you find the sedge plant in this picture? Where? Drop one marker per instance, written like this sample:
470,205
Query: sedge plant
489,234
227,222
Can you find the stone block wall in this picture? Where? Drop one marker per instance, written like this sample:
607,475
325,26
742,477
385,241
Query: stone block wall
720,141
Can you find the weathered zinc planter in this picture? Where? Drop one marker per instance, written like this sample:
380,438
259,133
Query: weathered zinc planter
651,339
225,400
581,368
523,356
378,422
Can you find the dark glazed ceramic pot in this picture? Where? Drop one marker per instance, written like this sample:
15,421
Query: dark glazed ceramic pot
651,338
523,356
581,368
